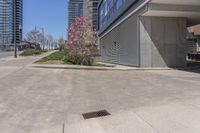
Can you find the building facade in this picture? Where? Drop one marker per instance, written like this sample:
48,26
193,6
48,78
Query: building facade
75,9
91,11
7,22
146,33
80,8
19,20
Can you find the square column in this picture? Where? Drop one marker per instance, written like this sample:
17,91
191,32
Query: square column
163,41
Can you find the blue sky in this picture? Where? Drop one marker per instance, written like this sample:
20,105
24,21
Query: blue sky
49,14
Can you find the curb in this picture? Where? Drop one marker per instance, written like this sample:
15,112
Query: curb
73,67
69,67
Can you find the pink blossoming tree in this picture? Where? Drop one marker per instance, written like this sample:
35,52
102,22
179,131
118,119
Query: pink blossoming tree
82,40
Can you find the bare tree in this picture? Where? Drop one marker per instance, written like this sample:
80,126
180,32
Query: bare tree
50,41
35,36
55,44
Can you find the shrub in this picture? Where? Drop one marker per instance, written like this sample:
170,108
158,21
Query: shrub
61,44
44,50
73,59
66,51
36,52
82,40
29,52
8,49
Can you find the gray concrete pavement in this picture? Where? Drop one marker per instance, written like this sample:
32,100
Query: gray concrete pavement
6,54
35,100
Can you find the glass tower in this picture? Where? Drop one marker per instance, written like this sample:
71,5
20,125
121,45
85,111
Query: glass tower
19,20
7,22
91,11
75,9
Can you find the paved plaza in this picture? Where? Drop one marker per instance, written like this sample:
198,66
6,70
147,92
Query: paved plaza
6,54
36,100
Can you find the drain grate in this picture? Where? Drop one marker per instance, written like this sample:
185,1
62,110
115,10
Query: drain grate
96,114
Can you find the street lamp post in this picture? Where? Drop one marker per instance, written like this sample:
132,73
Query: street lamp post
14,30
42,33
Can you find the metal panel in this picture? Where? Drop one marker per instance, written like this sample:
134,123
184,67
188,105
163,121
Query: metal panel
110,47
121,44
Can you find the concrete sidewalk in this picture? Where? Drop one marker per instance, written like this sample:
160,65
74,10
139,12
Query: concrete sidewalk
36,100
22,60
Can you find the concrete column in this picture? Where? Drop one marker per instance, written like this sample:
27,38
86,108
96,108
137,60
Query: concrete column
162,42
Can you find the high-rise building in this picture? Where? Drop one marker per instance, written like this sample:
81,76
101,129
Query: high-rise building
7,18
75,9
87,8
19,20
91,10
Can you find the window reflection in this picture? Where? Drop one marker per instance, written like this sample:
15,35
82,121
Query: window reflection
108,8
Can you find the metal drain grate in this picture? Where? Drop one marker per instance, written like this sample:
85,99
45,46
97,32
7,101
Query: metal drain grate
96,114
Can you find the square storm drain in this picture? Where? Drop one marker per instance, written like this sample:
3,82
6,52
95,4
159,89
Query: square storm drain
96,114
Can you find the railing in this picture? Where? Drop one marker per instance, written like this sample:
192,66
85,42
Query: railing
192,47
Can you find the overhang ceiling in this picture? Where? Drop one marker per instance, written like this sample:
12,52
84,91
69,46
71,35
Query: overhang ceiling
175,8
173,14
178,2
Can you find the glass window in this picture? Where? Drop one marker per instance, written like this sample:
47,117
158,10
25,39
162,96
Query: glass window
108,9
119,3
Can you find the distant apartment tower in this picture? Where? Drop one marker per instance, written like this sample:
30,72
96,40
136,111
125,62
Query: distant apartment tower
75,9
19,20
91,10
7,21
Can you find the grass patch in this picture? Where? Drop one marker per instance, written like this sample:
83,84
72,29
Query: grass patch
56,56
60,57
30,52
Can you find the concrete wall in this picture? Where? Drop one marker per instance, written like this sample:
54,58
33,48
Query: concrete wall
121,45
162,42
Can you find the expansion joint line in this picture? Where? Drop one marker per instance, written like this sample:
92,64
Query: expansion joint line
147,123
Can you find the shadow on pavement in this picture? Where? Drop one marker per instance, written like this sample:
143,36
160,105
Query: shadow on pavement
193,66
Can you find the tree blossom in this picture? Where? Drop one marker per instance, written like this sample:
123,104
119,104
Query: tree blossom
82,38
